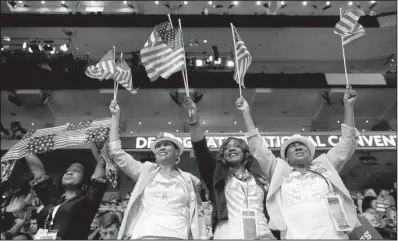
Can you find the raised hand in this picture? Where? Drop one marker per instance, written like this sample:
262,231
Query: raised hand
114,108
189,105
350,96
242,105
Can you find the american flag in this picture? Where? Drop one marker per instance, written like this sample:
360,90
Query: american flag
105,68
123,76
348,27
243,58
348,20
163,53
49,139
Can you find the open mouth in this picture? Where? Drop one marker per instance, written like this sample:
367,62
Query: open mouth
233,154
162,153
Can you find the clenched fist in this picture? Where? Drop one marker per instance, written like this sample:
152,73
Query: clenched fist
241,104
114,108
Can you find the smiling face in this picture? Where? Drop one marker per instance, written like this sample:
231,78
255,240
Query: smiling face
298,154
73,176
233,152
166,153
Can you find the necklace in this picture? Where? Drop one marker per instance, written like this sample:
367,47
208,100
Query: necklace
242,176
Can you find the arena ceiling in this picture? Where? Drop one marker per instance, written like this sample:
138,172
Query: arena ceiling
197,7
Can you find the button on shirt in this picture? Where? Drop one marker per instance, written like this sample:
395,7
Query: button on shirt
305,209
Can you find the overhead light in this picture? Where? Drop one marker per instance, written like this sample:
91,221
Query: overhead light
156,2
218,61
6,38
372,4
327,5
199,63
2,48
210,2
169,123
20,2
24,45
240,131
235,2
204,122
338,122
230,63
205,41
258,3
304,3
303,129
177,130
139,123
185,2
131,132
235,122
63,2
349,3
33,123
94,9
283,4
64,48
363,130
92,2
124,2
210,58
367,121
207,131
43,2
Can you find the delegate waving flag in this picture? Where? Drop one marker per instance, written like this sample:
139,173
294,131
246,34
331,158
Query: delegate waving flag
243,58
163,53
105,68
49,139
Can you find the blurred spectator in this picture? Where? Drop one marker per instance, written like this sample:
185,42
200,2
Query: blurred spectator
22,236
109,226
369,203
384,197
33,226
370,192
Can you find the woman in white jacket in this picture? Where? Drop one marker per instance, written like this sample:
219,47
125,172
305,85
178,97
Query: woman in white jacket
165,203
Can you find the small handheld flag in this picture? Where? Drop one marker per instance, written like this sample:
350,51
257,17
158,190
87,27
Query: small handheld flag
243,57
105,68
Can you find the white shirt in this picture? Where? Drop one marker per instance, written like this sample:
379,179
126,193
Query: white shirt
165,209
235,193
304,208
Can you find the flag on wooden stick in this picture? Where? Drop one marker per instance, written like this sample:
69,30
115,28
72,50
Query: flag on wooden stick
123,76
348,27
243,58
163,53
105,68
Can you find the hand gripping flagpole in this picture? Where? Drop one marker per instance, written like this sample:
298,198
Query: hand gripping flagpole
236,61
345,65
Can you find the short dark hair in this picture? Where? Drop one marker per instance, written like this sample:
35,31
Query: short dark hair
108,219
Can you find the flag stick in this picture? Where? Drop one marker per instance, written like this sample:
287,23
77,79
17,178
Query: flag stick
345,65
236,61
116,84
185,61
183,74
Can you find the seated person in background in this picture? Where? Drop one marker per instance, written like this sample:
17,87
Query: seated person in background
33,226
385,198
109,226
370,192
72,210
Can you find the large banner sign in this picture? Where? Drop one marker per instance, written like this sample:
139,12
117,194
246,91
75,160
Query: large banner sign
375,141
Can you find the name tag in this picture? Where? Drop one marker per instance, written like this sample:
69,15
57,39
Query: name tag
338,214
46,234
249,224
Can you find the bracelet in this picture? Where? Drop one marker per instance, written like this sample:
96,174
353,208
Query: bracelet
34,182
191,123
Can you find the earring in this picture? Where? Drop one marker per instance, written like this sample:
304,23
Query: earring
178,159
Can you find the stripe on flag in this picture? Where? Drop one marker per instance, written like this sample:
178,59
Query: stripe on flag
105,68
163,53
347,22
243,58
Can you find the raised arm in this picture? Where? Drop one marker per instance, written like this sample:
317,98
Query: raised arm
344,150
44,187
203,157
125,161
257,146
97,187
